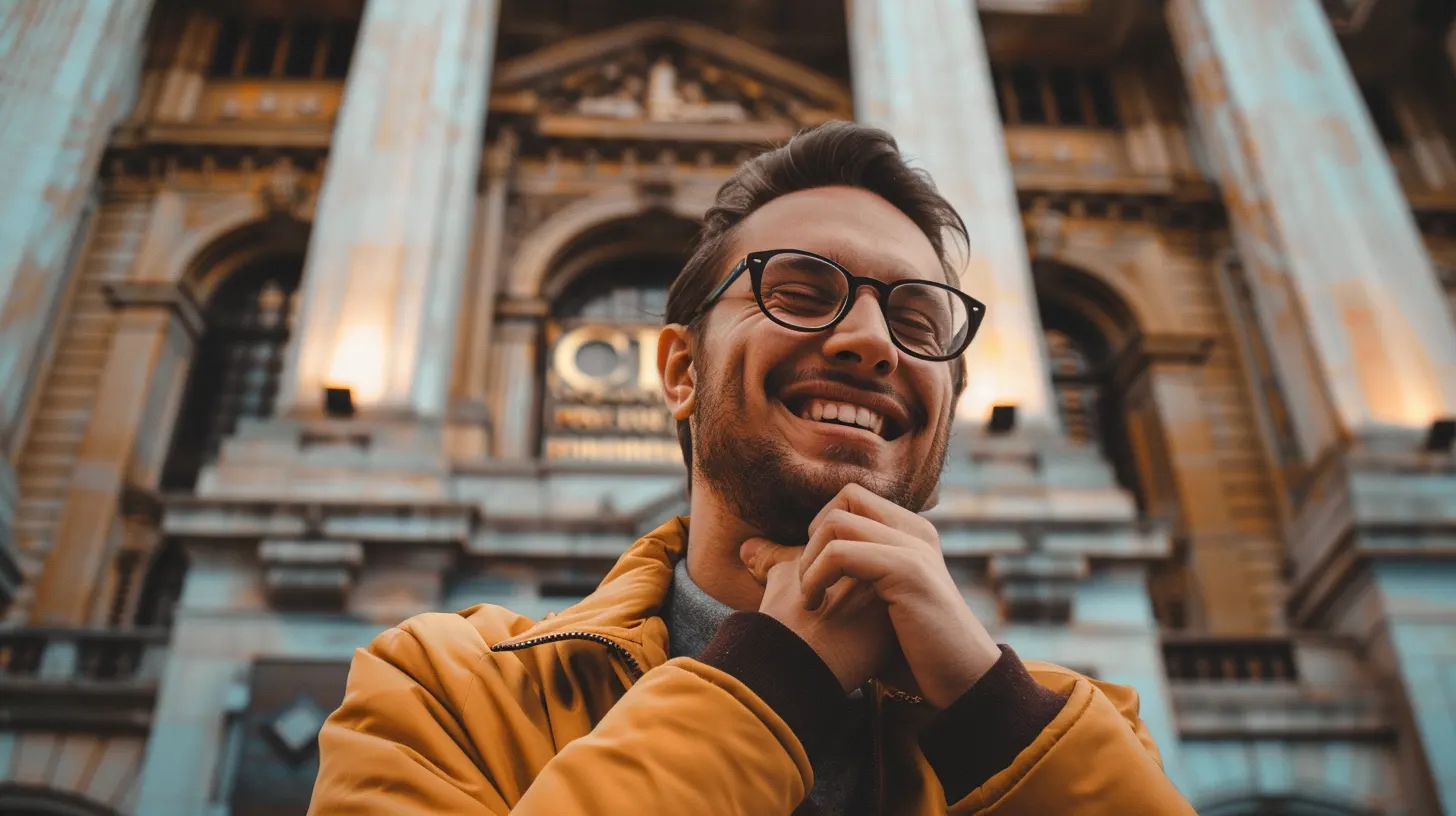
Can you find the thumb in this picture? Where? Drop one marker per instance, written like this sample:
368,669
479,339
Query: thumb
761,555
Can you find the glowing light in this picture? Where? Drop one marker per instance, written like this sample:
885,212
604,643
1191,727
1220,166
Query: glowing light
358,363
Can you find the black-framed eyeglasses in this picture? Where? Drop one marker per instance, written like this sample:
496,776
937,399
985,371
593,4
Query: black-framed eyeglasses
806,292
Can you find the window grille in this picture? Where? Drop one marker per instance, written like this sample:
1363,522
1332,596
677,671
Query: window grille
276,48
1059,96
239,360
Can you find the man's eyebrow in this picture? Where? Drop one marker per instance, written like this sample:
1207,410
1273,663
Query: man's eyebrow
860,266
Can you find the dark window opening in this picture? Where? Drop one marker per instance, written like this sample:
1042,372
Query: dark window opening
162,588
1067,93
342,35
1062,96
1026,83
225,50
273,48
1104,105
303,50
263,48
239,361
1387,124
1089,406
630,289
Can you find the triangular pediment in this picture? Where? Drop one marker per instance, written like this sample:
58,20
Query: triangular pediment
669,75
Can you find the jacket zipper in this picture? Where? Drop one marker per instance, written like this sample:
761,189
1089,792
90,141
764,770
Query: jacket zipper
633,667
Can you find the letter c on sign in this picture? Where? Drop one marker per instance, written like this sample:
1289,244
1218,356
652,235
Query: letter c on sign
568,348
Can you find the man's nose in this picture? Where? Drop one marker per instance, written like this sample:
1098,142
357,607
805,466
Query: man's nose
862,338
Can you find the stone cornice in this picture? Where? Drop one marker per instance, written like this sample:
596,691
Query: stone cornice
1277,711
1148,350
174,298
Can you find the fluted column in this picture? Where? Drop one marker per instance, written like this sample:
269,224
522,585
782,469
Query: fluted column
921,72
388,252
1345,290
68,72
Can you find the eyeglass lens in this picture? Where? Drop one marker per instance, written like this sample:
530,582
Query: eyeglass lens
808,293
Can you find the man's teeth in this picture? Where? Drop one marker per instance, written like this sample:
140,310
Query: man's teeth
822,410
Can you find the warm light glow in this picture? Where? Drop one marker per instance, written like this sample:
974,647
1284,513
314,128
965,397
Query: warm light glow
358,363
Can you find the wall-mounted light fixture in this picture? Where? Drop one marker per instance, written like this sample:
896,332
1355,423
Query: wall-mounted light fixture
338,401
1002,421
1442,436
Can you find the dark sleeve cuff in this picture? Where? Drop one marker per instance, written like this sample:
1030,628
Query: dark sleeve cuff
983,731
784,671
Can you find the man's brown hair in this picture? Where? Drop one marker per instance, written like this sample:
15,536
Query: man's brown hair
831,155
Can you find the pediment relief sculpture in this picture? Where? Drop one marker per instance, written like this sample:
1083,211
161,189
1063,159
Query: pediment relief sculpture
664,72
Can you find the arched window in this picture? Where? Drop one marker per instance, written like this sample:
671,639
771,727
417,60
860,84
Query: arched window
601,399
237,364
1086,329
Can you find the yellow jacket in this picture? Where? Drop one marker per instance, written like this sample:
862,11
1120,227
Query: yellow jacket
488,712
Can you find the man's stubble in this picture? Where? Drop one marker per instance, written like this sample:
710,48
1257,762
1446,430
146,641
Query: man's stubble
755,473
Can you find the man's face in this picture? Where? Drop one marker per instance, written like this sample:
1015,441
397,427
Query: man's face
759,385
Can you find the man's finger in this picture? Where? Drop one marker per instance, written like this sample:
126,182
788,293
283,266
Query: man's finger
761,555
861,501
861,560
839,523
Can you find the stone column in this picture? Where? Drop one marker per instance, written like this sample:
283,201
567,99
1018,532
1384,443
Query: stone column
1361,341
1346,292
471,404
388,252
921,72
68,72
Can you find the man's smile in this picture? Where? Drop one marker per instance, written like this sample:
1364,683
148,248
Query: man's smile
832,406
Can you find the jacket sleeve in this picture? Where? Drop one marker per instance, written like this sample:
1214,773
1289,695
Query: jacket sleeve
423,731
1094,758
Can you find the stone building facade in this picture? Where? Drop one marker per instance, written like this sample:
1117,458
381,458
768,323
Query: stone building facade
318,314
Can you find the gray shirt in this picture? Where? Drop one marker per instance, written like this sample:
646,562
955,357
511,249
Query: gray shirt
693,617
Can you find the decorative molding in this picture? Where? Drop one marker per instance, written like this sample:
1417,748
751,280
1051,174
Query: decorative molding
667,71
1278,711
519,308
1145,351
44,668
1037,587
284,193
312,574
174,297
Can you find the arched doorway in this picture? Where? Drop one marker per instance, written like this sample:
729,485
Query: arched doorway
1087,328
608,291
234,375
238,362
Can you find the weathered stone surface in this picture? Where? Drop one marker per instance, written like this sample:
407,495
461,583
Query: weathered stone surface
921,72
388,252
69,74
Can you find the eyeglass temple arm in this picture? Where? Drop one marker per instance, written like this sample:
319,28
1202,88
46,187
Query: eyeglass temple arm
721,288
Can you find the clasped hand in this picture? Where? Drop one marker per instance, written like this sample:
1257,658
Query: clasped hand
871,578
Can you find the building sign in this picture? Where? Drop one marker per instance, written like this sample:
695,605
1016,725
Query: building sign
603,398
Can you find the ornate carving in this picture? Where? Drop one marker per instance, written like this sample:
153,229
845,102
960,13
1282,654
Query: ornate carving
664,87
283,191
660,79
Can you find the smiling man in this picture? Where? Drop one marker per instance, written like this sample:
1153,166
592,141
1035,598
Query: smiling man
796,644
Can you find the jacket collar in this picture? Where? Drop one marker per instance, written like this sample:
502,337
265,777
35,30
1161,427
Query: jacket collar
624,608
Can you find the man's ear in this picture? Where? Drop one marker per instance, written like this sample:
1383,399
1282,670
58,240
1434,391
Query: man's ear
675,370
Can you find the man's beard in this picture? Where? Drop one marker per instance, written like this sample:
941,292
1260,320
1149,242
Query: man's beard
756,474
